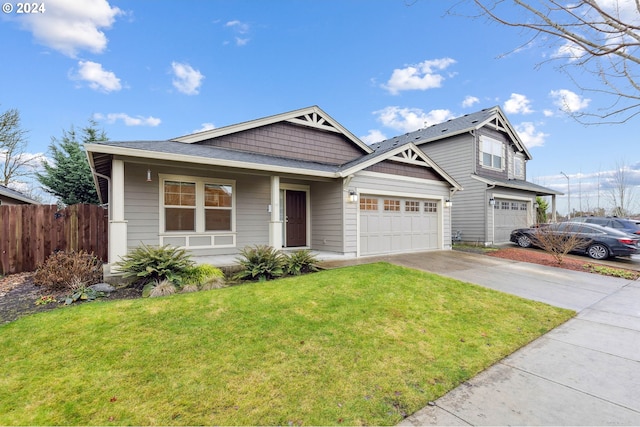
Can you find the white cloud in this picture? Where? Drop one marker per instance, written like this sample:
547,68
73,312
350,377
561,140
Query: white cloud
518,104
187,80
530,136
69,26
469,101
128,120
373,136
410,119
97,77
205,127
547,113
568,101
570,51
240,28
418,77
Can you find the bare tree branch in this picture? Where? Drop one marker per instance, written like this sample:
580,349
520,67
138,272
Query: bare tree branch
600,39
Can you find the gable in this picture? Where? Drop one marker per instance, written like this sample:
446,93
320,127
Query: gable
407,160
291,141
403,169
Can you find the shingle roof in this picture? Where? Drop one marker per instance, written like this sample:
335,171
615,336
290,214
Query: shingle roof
520,184
8,192
210,152
438,131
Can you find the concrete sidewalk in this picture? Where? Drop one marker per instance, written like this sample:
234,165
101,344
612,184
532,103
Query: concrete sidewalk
585,372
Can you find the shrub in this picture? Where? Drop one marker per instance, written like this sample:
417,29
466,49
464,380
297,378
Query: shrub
189,288
160,288
260,263
150,264
559,242
69,271
204,276
300,262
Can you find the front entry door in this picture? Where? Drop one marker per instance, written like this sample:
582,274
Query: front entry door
296,218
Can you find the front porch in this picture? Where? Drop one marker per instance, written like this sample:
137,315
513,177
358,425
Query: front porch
227,262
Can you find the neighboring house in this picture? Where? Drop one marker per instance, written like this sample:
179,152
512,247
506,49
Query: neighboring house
484,154
13,197
293,180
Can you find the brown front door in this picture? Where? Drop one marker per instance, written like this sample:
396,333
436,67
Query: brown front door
296,218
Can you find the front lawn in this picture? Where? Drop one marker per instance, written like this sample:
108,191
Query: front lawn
368,344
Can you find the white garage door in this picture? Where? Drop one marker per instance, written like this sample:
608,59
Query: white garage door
393,225
509,215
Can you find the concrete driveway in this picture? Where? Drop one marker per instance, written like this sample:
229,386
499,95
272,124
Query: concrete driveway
585,372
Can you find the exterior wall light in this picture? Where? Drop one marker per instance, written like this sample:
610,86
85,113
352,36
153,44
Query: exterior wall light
148,175
448,203
353,196
492,201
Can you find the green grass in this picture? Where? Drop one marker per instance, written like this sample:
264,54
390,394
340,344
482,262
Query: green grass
359,345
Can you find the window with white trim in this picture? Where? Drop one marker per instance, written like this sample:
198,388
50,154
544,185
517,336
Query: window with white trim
198,205
491,153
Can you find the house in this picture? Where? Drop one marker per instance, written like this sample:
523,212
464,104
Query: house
293,180
484,154
13,197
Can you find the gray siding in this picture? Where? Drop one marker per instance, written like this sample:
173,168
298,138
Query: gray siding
142,206
327,210
456,156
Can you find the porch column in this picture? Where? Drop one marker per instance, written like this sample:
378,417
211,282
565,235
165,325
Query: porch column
553,208
275,224
117,224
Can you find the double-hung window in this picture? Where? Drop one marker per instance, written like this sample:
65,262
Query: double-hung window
491,153
197,205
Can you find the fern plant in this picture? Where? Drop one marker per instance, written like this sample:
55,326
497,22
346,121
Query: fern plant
148,264
301,262
260,263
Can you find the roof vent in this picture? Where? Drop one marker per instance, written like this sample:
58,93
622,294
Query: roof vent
444,130
474,121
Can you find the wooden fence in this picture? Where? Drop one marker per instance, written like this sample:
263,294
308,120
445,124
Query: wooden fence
30,233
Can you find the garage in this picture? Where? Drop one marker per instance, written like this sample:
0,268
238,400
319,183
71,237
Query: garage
392,225
509,215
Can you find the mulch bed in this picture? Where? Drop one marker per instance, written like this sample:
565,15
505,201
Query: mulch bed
19,293
536,256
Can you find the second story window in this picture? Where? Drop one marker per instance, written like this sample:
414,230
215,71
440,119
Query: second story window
491,153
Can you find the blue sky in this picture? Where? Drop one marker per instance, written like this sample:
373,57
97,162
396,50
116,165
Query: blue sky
149,70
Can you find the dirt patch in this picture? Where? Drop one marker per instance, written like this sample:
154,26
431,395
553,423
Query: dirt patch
18,296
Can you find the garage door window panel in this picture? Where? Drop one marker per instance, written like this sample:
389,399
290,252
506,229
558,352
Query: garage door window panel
431,207
391,205
368,204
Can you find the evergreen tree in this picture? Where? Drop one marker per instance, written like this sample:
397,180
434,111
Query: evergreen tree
69,178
